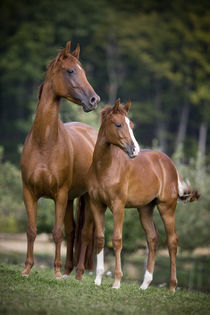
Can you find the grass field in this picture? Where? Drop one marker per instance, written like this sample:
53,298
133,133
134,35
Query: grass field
42,294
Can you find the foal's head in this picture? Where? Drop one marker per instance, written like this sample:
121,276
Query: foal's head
119,128
69,79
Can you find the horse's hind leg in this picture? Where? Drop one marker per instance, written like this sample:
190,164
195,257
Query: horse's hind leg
146,218
167,215
70,234
86,238
31,208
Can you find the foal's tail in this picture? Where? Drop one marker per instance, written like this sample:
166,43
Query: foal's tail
185,191
80,220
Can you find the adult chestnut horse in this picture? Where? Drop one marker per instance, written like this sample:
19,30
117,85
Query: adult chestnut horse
121,176
56,156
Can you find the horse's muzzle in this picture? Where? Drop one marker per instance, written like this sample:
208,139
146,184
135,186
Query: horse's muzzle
93,102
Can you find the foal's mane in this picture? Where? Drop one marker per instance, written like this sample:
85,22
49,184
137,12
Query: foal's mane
108,109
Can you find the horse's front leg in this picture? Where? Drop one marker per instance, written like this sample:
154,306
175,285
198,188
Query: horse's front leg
70,235
118,214
98,211
60,208
31,208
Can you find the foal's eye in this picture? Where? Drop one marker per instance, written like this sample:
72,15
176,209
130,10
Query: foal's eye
118,125
70,71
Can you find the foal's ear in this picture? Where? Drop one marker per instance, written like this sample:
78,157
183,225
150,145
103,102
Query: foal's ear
127,106
116,105
66,49
76,52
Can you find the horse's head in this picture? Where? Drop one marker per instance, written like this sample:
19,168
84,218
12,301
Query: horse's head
69,80
119,128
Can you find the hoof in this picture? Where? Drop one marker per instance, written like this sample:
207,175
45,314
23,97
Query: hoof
58,275
66,277
97,281
144,286
25,275
173,290
78,277
116,285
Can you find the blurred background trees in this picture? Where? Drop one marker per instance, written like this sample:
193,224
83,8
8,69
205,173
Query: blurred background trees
155,53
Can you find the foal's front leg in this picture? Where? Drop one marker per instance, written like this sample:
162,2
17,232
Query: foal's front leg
60,208
118,213
98,211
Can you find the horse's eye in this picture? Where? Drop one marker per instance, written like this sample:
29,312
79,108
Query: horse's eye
70,71
118,125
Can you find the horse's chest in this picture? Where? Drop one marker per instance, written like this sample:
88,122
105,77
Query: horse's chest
45,179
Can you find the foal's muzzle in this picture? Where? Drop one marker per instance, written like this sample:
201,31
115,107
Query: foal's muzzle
132,151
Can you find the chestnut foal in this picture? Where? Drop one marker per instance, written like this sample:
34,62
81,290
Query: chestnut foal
56,156
121,176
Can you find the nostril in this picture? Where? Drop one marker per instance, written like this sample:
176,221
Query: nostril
93,100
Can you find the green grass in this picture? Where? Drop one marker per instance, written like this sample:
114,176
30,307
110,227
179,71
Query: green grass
42,294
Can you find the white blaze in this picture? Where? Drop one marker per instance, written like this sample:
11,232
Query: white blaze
136,145
79,67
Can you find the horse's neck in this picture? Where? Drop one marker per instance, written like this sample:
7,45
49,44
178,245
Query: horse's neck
45,127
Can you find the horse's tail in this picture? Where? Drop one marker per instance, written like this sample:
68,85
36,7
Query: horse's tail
80,220
185,191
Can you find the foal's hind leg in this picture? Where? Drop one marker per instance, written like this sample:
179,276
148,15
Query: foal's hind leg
146,218
167,215
31,208
70,234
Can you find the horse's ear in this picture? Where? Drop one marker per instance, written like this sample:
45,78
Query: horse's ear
116,105
127,106
76,52
66,49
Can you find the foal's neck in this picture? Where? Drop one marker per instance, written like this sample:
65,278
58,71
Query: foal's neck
45,127
105,153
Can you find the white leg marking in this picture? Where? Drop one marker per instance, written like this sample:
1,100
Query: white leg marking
99,267
66,276
136,145
147,280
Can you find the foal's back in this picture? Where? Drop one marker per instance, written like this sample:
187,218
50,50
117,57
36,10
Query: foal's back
152,175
